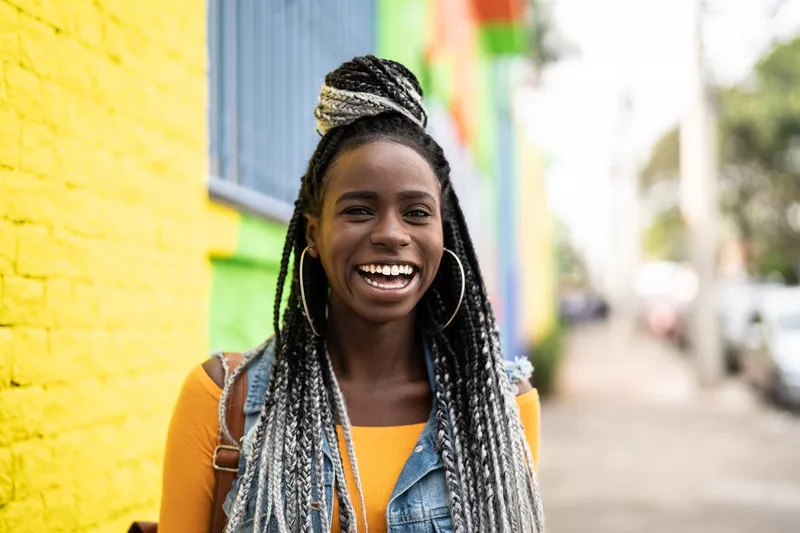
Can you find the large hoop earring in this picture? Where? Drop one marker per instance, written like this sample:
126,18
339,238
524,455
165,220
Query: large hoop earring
303,293
460,297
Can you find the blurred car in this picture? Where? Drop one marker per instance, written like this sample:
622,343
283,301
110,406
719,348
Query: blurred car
582,305
737,302
664,291
771,353
664,317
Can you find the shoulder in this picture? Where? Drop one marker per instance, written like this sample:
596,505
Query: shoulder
523,386
213,368
258,361
215,371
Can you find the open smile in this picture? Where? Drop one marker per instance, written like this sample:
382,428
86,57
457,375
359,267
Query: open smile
388,277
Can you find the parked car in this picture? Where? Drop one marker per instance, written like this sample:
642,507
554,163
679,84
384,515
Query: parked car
664,292
582,305
737,302
771,354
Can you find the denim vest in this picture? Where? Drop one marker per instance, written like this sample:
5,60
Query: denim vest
419,501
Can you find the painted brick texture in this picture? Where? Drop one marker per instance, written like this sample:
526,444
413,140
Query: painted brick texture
104,275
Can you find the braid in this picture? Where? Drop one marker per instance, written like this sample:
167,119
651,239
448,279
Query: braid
347,514
290,445
341,412
243,492
287,252
391,81
501,474
454,469
460,427
488,467
316,423
305,452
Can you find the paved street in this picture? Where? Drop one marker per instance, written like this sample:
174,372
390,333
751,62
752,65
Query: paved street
631,445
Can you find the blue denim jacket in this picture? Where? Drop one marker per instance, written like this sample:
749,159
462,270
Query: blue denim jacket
419,501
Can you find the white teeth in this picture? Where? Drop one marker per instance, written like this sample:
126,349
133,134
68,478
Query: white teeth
387,270
389,286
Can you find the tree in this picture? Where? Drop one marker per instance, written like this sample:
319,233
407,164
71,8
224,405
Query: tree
664,163
665,238
547,45
759,131
572,267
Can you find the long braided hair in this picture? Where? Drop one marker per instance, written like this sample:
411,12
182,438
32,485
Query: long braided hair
488,466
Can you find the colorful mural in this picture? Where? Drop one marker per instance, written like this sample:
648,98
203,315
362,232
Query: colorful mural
117,271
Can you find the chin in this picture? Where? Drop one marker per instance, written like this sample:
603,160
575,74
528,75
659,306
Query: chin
380,315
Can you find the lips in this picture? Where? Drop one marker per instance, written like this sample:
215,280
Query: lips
388,277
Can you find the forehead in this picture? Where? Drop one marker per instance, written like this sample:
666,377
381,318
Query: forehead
381,166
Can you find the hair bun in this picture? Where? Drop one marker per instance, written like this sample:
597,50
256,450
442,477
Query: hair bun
366,86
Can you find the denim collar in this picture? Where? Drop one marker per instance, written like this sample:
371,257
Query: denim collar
258,381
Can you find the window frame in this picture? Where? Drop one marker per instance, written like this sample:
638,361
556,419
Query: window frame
229,191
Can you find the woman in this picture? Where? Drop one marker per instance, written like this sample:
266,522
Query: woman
382,402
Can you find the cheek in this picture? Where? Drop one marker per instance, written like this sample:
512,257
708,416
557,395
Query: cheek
335,243
434,249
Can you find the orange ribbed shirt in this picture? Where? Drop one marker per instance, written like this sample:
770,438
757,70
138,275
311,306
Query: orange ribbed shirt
381,452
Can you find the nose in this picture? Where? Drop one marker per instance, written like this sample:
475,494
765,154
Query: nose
390,231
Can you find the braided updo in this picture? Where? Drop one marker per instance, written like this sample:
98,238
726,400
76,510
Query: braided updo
368,86
489,469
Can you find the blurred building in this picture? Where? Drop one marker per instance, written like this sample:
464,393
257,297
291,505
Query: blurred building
149,157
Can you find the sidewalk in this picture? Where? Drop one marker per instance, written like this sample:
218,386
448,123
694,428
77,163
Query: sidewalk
631,445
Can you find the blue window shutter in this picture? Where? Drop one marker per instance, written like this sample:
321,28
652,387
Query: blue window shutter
267,62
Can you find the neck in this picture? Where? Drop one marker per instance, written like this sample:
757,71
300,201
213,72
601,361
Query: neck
364,352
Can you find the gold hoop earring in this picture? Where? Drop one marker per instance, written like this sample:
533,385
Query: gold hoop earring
303,293
460,297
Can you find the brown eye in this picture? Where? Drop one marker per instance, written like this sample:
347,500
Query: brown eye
418,214
357,211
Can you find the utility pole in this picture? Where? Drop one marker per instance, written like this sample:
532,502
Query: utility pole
699,168
625,219
625,203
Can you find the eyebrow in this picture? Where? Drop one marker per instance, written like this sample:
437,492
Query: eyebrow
357,195
372,195
416,195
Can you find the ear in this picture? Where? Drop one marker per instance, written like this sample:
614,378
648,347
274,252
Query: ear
312,223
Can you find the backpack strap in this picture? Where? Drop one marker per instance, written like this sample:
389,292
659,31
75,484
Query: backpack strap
226,455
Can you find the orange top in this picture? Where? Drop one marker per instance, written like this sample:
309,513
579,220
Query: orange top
188,484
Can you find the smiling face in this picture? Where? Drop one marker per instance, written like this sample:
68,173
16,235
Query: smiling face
379,234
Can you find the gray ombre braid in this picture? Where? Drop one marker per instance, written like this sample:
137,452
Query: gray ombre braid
488,466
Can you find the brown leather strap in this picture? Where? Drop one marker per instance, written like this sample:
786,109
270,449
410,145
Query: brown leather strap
143,527
226,456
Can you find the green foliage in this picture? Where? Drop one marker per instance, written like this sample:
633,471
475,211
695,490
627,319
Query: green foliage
545,358
776,262
759,132
547,43
664,164
665,238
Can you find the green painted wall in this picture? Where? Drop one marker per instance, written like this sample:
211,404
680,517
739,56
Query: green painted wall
501,38
243,286
401,34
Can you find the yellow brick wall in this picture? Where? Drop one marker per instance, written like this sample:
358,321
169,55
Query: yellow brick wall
104,278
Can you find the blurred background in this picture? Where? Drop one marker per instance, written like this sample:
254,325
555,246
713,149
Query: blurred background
630,170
